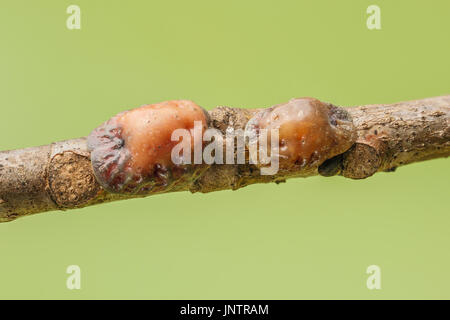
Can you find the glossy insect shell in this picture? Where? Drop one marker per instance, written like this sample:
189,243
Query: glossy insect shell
309,131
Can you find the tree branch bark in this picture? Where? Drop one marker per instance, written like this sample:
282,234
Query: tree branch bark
59,176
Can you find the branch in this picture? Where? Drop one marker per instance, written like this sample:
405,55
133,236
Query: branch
60,176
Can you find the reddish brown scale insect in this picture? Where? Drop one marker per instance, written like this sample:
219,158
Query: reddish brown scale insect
131,152
310,132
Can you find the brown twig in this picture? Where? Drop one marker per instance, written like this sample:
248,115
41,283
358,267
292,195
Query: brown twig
59,176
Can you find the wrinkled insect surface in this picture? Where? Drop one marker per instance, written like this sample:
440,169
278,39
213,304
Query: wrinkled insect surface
131,152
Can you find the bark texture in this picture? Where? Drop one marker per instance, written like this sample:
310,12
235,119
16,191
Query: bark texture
59,176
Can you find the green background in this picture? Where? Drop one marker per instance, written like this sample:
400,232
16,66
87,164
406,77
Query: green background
307,238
